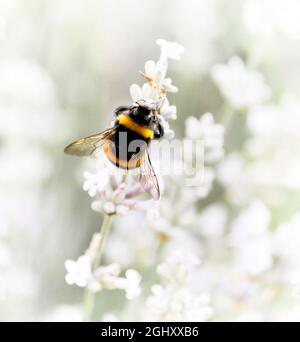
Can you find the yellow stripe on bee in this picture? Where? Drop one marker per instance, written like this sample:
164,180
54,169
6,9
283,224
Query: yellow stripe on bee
145,132
124,164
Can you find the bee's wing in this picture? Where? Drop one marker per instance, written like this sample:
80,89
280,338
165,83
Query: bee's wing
147,176
87,146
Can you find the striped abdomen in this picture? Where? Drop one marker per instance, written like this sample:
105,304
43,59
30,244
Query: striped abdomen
129,139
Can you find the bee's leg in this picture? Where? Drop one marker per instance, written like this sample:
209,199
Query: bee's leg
158,131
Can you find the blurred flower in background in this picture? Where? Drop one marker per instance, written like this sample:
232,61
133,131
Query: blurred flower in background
227,250
242,88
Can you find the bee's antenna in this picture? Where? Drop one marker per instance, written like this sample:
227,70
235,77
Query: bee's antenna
141,100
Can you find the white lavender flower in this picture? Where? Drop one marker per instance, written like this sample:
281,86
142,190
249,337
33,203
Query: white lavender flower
169,50
241,87
114,192
232,173
210,136
275,143
175,301
104,277
179,306
251,239
211,133
287,249
132,284
154,92
108,277
95,183
212,220
79,272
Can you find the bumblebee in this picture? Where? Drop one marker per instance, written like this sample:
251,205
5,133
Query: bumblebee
126,142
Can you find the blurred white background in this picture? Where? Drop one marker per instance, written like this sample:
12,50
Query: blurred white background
64,67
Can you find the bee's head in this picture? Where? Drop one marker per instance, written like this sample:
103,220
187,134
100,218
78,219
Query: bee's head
142,112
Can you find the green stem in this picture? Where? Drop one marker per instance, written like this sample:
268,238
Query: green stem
89,296
103,232
88,304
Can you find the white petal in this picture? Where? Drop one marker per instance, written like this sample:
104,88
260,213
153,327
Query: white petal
97,206
135,92
69,278
167,84
169,112
207,118
84,263
146,92
172,89
70,266
133,275
132,288
150,69
81,282
87,175
171,50
109,208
